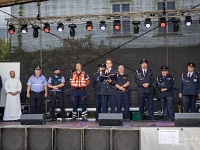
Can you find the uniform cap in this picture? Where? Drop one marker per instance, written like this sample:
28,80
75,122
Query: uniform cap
144,61
57,68
37,68
164,68
102,65
191,64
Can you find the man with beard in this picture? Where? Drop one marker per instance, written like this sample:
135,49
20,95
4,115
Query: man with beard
56,84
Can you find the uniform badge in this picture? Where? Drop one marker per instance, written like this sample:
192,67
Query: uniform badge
168,78
195,80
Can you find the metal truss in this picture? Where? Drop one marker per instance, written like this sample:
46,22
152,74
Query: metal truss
5,3
140,16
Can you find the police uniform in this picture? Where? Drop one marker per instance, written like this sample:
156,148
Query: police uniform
96,84
189,87
57,95
108,91
166,97
37,84
78,83
145,93
123,95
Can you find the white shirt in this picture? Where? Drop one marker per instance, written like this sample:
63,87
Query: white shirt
144,71
190,73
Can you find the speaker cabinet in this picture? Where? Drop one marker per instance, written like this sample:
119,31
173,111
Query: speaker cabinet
12,138
33,119
125,139
97,138
68,138
111,119
40,138
187,119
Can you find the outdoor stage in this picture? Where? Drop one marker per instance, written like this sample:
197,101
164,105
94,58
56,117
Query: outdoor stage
134,135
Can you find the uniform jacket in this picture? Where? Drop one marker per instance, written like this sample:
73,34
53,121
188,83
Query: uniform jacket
108,88
96,84
140,80
189,86
165,82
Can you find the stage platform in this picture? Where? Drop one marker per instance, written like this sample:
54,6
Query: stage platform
134,135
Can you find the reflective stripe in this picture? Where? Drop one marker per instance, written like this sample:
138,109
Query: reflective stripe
38,84
85,112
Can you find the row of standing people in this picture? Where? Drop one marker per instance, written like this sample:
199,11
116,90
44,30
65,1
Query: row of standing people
115,91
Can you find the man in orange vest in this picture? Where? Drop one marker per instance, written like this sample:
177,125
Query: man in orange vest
79,80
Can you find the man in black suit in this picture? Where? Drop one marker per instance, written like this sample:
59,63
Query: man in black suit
108,89
96,84
144,79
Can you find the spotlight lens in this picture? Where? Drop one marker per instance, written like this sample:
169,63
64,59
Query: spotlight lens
11,32
60,29
24,31
89,28
117,27
188,24
103,27
163,24
46,30
148,25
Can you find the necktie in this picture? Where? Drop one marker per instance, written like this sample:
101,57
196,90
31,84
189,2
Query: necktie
189,75
144,73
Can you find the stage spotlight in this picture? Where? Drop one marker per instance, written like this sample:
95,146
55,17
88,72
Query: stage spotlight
102,25
11,29
117,24
24,29
60,27
46,28
136,27
163,22
89,26
72,29
147,23
35,31
188,21
176,25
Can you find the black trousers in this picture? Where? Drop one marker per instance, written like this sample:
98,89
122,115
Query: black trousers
36,100
57,96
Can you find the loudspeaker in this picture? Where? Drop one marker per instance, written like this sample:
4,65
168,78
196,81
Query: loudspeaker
68,138
112,119
125,139
97,138
40,138
187,119
33,119
12,138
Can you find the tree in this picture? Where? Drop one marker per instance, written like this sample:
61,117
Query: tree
4,49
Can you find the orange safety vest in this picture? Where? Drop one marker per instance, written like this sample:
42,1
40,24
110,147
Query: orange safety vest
78,81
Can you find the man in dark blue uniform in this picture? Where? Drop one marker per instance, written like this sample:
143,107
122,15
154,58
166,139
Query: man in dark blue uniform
144,79
165,83
56,84
189,88
108,89
123,82
96,84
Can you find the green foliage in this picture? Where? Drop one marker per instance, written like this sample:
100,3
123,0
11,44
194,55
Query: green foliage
4,49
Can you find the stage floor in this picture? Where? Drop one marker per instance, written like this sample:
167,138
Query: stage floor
137,124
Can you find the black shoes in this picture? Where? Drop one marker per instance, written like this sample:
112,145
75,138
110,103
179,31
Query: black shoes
141,119
165,119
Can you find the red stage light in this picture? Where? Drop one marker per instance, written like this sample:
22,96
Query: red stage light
117,27
46,28
163,24
89,28
89,25
11,29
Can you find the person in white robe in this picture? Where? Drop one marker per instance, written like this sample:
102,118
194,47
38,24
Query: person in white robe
13,88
